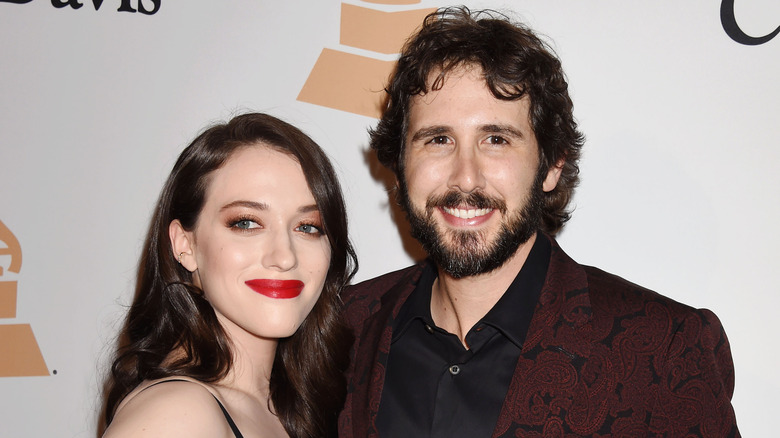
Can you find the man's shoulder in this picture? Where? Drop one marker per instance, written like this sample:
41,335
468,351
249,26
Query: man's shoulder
610,294
614,296
361,299
377,286
613,303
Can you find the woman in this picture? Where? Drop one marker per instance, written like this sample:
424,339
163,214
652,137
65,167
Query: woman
235,327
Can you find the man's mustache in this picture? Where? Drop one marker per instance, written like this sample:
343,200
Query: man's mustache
455,199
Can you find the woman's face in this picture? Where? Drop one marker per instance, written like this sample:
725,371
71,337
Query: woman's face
257,249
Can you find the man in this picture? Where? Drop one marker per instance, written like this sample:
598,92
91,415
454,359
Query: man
500,333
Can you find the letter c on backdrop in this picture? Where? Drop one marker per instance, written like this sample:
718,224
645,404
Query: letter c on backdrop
732,29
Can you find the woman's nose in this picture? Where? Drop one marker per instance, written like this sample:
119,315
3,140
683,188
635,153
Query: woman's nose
280,252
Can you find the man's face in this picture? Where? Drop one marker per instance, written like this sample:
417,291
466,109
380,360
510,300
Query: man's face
470,185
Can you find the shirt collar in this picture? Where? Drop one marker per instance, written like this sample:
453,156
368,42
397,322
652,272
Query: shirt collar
418,305
512,313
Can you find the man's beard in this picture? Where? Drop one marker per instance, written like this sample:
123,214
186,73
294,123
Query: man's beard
469,252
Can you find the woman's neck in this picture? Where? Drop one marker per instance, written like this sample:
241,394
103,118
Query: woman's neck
253,359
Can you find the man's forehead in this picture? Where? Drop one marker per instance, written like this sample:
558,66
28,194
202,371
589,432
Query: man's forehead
438,77
465,95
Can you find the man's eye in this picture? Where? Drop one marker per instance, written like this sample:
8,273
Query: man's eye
309,229
496,139
441,139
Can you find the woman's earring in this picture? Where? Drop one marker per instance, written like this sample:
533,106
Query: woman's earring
180,254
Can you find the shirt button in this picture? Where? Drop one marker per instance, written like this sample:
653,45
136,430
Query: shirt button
428,328
454,370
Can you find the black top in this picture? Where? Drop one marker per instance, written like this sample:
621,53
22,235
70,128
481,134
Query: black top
433,385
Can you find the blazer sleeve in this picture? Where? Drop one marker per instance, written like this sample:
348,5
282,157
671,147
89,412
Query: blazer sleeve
696,381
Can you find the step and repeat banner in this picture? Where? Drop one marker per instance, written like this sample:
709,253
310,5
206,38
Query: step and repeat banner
680,173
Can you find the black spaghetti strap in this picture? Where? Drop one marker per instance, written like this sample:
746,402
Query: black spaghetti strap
164,381
230,421
233,426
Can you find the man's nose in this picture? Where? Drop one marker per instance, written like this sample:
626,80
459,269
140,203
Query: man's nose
466,173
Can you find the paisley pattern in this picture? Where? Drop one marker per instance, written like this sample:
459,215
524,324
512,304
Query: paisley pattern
603,357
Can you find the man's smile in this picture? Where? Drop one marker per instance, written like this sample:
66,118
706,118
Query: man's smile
466,213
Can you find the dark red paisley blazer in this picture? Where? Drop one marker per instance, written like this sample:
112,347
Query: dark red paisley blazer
603,357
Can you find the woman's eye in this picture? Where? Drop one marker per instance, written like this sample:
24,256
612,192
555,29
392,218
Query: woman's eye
244,224
309,229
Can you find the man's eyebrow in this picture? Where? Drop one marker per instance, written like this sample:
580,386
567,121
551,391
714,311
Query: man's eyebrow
246,204
430,131
502,129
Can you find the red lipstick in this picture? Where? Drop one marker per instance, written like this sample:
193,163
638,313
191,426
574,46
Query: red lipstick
280,289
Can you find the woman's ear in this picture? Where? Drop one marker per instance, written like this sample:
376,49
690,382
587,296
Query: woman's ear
182,242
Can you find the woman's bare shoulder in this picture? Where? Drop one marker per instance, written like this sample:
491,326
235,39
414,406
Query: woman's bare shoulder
170,408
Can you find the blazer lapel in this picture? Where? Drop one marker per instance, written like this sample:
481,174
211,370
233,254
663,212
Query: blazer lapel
556,347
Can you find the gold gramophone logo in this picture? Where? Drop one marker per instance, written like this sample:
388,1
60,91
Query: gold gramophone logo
19,352
355,83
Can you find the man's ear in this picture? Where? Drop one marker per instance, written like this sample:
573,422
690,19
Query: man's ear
182,242
553,175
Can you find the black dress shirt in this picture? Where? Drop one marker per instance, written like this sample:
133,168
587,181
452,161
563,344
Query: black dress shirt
434,386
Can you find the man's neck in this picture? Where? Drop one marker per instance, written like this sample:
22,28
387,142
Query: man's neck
459,303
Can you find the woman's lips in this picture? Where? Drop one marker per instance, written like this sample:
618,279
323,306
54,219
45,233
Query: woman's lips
276,288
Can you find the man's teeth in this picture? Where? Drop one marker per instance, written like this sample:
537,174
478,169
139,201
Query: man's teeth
467,214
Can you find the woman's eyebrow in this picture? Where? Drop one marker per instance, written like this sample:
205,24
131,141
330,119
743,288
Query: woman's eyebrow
247,204
308,208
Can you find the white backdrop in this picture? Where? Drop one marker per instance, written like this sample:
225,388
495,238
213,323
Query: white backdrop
679,190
